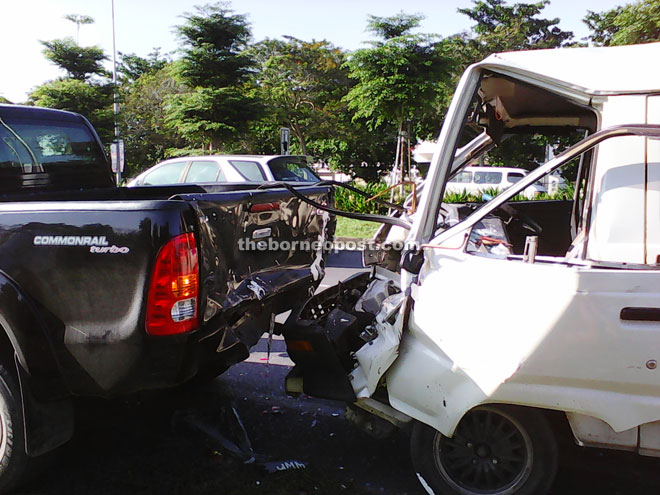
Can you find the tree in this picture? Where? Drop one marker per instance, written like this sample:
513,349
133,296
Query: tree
131,66
94,101
144,110
301,83
81,92
399,79
219,105
79,62
79,20
629,24
501,27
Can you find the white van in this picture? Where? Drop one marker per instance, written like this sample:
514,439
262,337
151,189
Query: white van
476,180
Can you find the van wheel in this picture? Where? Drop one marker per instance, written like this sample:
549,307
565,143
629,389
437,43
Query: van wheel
13,459
496,450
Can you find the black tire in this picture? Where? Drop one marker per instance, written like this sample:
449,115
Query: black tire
496,450
13,459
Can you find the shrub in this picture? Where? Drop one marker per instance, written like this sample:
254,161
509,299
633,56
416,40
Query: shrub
348,200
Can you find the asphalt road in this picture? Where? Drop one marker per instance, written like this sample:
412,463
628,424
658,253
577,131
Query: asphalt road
141,445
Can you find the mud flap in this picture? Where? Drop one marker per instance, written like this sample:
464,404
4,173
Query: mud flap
48,425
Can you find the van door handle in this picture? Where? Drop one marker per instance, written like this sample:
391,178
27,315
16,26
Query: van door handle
640,314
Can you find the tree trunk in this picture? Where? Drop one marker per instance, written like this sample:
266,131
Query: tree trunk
299,136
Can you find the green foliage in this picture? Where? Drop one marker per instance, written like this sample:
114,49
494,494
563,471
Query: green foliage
347,200
462,197
398,77
395,26
79,62
210,115
4,100
131,66
301,84
220,103
637,22
214,40
142,117
500,27
94,101
79,19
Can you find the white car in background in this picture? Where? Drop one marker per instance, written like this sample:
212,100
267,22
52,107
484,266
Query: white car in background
477,180
227,168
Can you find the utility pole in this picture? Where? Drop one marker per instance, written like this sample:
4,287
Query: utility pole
116,93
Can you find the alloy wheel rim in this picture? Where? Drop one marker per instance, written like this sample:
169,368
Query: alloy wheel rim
490,453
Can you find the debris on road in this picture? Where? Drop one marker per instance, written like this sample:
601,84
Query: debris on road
223,431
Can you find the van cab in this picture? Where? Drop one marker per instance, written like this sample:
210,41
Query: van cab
477,180
487,391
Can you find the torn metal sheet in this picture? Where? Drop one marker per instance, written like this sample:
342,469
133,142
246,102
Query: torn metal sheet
376,357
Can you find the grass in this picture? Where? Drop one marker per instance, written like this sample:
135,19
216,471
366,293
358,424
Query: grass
355,229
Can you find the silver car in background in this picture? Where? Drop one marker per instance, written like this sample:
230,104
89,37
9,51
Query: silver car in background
227,168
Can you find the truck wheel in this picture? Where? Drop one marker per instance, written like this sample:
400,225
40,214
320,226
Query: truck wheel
496,450
13,459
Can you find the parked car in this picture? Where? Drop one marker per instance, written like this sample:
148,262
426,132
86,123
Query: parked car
476,180
106,291
493,329
227,168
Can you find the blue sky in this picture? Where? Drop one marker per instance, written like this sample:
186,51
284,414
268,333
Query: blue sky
144,24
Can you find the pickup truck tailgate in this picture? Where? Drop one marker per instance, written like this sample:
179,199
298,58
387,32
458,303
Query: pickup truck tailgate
257,244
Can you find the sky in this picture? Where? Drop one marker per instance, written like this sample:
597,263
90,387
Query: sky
141,25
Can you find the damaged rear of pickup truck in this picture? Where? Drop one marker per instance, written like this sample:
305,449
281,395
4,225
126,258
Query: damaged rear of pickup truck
501,325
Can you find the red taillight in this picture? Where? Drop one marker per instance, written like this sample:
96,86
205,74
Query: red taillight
172,301
259,207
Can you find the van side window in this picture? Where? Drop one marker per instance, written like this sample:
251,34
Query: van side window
462,178
514,176
487,177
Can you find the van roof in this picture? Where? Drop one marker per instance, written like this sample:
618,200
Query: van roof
493,169
593,70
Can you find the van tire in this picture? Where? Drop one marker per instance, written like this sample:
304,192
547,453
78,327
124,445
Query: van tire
496,449
13,458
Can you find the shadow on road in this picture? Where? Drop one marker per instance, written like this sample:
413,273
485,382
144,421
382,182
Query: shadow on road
130,447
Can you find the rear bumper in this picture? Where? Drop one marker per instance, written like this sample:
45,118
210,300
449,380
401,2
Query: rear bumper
142,362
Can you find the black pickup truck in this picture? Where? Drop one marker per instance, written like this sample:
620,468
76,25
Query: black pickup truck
106,291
